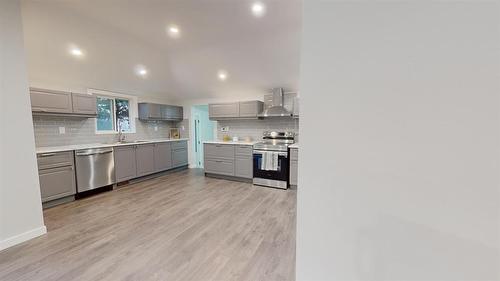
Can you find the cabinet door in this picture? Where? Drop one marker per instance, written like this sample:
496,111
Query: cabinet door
243,167
163,156
150,111
172,112
179,157
57,183
50,101
125,164
145,160
84,104
250,108
294,171
224,110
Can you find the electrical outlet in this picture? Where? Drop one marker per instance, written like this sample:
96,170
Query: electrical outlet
224,129
182,128
62,130
156,128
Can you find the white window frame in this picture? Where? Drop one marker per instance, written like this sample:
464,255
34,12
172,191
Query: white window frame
133,114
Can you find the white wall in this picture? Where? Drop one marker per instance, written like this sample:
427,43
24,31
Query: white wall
20,205
403,183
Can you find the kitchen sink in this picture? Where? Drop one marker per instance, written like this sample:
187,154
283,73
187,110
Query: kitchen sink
130,142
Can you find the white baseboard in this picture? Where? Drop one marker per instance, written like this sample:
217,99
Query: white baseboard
20,238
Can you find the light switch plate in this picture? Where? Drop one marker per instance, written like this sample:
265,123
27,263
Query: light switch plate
224,129
62,130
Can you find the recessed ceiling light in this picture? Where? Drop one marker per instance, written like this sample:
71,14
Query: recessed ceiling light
141,70
222,75
174,31
76,52
258,9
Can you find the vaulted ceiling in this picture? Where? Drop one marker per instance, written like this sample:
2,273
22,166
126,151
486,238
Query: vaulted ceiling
116,36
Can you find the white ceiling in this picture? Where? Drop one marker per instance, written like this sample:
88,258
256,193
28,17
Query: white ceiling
118,35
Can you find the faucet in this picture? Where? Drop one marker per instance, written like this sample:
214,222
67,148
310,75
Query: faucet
121,136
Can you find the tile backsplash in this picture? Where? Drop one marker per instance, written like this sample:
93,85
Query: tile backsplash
82,131
253,128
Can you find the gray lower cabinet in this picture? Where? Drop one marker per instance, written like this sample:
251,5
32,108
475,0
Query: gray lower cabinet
145,159
48,101
84,104
294,166
163,156
133,161
56,173
229,160
125,163
179,154
243,161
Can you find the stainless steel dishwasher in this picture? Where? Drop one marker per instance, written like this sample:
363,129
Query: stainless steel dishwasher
94,168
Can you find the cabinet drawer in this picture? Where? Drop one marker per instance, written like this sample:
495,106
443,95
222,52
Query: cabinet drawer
220,167
57,183
179,145
243,150
219,151
294,154
55,159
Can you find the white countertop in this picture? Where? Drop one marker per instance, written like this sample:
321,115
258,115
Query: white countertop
49,149
295,145
232,142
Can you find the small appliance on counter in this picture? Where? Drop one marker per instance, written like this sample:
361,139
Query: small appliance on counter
270,159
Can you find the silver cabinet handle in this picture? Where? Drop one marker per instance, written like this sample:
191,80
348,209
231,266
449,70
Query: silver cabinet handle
93,153
46,154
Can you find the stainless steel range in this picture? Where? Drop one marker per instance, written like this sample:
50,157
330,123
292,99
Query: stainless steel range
270,159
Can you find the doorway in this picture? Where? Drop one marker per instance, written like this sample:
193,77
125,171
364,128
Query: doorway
203,131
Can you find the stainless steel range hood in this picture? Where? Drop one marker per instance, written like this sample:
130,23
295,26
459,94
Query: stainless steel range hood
277,109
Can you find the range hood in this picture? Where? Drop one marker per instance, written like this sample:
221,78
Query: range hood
277,109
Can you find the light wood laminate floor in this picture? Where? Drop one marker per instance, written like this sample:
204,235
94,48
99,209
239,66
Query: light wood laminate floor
180,226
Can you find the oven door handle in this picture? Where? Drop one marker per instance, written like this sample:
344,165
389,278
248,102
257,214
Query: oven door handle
280,153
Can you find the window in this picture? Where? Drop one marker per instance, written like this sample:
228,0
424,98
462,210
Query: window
113,115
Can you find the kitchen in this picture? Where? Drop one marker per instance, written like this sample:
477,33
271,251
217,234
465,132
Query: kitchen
160,140
116,140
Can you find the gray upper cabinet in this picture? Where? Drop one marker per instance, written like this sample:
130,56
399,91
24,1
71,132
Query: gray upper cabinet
224,110
163,156
250,109
235,110
145,159
125,163
148,111
47,101
84,104
50,102
154,111
172,112
56,174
